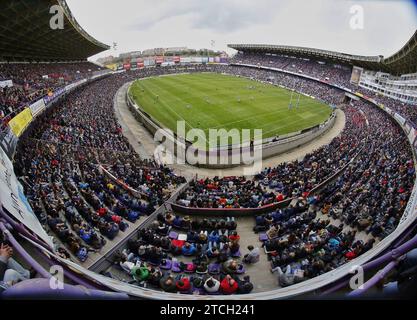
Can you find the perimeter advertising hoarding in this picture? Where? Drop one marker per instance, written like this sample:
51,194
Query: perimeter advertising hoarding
14,201
196,60
185,60
177,59
54,96
112,66
19,123
149,62
412,135
6,83
126,66
168,64
159,60
37,107
8,141
399,118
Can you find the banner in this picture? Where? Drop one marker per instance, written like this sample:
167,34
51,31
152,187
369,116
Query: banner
356,75
168,64
48,99
19,123
76,84
126,66
185,60
8,142
177,59
6,83
112,66
412,135
149,62
198,60
159,60
37,107
14,201
399,118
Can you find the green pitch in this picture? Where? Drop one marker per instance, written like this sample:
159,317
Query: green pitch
215,101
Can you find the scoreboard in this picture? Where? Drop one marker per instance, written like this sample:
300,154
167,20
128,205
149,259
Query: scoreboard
356,75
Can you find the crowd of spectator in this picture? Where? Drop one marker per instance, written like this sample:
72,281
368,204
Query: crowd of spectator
370,196
31,82
60,165
288,180
331,73
189,256
325,71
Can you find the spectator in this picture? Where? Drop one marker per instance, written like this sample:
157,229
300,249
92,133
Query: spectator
11,272
253,256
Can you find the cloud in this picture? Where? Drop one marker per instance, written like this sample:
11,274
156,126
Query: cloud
218,15
142,24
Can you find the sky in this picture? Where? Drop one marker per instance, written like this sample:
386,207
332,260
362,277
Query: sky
136,25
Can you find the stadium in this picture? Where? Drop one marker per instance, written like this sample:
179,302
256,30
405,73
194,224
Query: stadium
280,172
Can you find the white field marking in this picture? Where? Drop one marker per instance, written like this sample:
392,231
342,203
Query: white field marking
166,105
266,124
188,124
179,116
283,111
285,92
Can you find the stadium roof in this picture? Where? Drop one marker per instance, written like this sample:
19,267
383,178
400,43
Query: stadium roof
405,60
402,62
26,35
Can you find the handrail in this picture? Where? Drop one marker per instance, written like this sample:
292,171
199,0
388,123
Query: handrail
392,257
28,258
21,229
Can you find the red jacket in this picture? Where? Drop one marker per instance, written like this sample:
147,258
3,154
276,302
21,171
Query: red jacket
186,284
350,255
234,238
116,219
226,288
102,212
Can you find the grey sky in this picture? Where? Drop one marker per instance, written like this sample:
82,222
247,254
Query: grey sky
143,24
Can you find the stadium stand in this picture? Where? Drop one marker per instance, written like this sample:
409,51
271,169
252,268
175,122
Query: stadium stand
34,81
100,207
